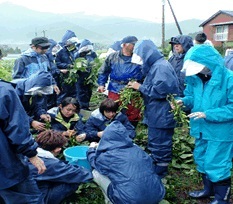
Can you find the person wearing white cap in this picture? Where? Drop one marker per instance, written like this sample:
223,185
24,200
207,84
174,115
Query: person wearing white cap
209,96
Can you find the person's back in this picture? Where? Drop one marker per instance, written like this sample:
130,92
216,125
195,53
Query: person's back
60,179
16,143
130,170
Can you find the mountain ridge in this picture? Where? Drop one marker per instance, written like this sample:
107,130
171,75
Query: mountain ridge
20,25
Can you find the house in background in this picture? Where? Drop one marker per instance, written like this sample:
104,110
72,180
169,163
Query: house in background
219,29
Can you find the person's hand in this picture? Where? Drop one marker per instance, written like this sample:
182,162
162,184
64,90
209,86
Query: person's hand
45,117
38,163
134,85
178,102
101,89
94,144
197,115
80,137
64,71
38,125
69,133
56,89
99,134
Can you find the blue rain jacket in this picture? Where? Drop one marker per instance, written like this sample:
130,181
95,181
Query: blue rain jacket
60,178
84,90
35,105
30,63
177,60
98,122
16,140
58,122
229,61
215,98
53,67
64,57
120,70
160,81
130,169
116,45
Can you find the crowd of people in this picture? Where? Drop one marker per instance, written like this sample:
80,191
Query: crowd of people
39,94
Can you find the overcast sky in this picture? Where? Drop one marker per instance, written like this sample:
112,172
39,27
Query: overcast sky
142,9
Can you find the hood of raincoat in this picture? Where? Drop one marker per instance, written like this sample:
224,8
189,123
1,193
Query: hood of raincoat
50,54
68,34
115,136
148,52
212,60
185,40
116,46
85,46
38,83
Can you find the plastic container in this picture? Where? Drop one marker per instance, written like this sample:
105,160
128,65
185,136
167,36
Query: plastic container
77,155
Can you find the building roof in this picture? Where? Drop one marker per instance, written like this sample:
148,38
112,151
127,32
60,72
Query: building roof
222,23
230,13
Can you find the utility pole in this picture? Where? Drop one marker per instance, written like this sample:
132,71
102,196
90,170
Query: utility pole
43,31
163,25
177,24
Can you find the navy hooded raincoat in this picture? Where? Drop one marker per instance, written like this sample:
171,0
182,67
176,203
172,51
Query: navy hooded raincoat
130,169
160,81
16,140
177,59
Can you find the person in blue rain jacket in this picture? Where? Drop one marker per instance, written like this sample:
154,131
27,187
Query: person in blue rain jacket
60,179
65,60
118,70
66,118
209,96
32,60
32,92
51,53
84,89
160,81
130,172
229,61
101,118
180,45
16,186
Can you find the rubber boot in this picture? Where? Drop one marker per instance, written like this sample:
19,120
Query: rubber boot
222,192
206,192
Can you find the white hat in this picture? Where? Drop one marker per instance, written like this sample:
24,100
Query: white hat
191,68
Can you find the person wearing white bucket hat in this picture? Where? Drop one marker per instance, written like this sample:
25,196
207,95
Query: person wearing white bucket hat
209,96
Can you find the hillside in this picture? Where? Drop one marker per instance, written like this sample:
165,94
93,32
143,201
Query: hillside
19,25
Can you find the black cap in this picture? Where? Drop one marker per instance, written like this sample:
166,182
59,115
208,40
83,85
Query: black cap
129,39
41,41
174,40
201,37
